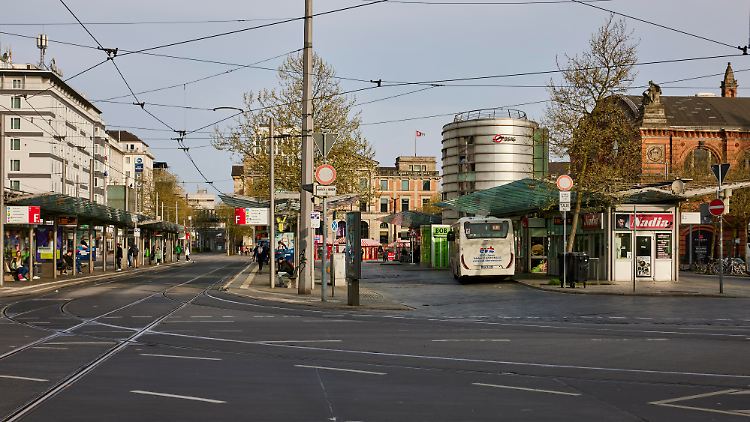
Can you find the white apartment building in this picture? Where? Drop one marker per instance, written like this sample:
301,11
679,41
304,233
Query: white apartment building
50,132
135,154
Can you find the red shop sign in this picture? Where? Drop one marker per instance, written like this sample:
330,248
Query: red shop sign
644,221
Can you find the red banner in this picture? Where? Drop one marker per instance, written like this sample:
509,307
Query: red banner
240,217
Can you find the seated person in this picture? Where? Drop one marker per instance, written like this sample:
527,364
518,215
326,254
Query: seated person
66,263
284,266
18,265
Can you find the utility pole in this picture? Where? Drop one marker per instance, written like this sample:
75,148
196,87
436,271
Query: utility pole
2,200
272,205
306,277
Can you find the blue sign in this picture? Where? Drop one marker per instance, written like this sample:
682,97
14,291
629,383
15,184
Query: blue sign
334,225
139,167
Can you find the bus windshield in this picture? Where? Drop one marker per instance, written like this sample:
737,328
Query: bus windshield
486,230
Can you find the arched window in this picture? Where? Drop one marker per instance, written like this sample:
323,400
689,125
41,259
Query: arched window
743,164
698,163
384,226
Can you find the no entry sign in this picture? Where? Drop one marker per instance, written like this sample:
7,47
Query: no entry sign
716,207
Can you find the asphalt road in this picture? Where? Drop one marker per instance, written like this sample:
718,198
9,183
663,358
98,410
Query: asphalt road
170,346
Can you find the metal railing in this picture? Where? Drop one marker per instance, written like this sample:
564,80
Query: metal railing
490,113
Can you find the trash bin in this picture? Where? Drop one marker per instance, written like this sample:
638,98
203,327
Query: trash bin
577,268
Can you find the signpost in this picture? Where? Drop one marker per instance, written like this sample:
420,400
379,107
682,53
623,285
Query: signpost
324,190
23,215
716,207
315,219
565,184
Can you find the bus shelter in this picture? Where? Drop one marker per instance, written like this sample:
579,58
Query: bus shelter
87,232
611,246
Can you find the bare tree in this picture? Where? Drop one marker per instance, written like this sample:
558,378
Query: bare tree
586,121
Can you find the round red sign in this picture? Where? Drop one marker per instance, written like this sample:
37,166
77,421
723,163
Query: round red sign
716,207
325,174
565,182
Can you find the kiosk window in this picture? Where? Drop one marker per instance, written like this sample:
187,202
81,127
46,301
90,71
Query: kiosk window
623,245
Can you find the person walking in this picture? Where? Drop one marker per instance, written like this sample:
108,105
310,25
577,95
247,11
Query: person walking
158,255
131,254
187,253
118,257
262,256
178,251
255,252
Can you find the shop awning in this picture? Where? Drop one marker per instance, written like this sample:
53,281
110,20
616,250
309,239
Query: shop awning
411,219
161,225
86,211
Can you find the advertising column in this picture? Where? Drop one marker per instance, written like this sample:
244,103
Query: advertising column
439,247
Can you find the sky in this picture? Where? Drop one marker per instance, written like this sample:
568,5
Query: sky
392,41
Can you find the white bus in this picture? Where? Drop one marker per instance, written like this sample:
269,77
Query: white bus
482,246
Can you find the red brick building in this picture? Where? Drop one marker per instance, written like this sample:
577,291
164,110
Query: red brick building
682,136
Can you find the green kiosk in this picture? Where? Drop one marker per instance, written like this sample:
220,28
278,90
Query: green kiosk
434,249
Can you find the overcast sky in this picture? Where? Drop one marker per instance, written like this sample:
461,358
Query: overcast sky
390,41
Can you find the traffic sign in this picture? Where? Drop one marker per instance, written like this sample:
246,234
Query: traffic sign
325,174
720,171
136,232
322,190
334,225
716,207
564,182
564,206
564,196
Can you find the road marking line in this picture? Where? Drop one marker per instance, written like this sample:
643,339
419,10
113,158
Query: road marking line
50,348
341,369
201,316
60,343
141,316
616,317
177,396
739,392
112,317
669,403
13,377
227,316
178,357
295,341
536,390
195,322
472,339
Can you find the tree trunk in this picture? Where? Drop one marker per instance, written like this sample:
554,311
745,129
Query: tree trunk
574,226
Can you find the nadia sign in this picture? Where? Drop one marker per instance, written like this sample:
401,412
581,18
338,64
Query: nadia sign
661,221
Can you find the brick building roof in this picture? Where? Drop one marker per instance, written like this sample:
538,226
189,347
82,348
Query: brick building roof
237,170
702,112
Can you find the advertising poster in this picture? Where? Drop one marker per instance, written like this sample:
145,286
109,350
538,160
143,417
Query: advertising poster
440,245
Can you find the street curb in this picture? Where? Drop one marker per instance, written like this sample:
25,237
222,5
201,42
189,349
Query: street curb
581,291
264,296
53,285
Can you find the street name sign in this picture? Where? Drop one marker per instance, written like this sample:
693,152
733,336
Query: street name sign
323,190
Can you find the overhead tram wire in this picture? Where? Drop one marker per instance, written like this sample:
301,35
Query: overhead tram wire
488,3
679,31
408,119
164,22
237,31
193,81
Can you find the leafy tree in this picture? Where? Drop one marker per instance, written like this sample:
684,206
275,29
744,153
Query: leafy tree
351,155
585,120
170,191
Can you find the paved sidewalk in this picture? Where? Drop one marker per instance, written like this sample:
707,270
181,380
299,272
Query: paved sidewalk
47,283
250,283
690,284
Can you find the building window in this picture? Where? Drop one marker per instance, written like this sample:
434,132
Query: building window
17,84
15,102
15,185
698,163
363,183
405,185
404,204
425,185
15,123
425,202
383,184
127,160
127,174
363,206
384,204
15,144
15,165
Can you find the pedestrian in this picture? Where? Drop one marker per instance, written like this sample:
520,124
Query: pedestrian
131,254
118,257
187,253
178,251
255,252
18,266
262,256
82,253
158,255
135,255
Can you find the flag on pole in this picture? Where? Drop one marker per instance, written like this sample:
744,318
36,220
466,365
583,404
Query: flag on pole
420,134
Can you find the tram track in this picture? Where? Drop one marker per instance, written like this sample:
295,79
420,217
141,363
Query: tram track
120,344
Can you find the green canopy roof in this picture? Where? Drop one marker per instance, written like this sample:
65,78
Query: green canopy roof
57,204
526,196
411,219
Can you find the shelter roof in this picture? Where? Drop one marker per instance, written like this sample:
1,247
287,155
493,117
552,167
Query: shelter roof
85,210
411,219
